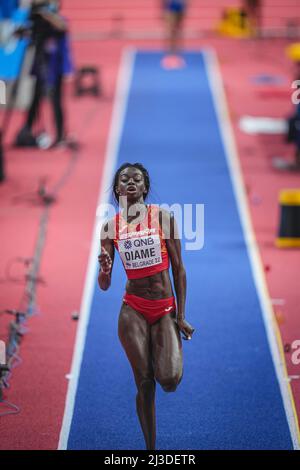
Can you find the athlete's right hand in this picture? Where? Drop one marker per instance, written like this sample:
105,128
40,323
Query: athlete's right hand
105,261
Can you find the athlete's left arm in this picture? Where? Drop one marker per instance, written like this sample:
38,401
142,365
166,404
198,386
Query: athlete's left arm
170,230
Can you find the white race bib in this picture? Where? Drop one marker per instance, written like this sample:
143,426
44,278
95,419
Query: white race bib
140,252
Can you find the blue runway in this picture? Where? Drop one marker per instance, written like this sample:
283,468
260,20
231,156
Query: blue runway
229,397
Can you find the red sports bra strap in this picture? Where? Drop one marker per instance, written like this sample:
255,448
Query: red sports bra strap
117,224
149,216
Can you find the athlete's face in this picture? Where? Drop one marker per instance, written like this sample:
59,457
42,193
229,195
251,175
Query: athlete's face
131,184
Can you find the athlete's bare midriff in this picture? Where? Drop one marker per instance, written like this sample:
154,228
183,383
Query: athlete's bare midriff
153,287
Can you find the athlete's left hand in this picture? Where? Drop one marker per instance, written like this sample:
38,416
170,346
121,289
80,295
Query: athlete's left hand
186,329
105,261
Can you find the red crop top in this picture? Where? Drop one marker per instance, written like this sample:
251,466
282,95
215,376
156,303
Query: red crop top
141,246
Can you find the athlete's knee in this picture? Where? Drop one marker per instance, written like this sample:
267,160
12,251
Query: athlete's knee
170,383
145,387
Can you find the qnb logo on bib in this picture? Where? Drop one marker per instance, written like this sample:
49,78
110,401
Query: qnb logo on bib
140,252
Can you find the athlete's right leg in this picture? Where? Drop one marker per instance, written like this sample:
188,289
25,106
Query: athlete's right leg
134,334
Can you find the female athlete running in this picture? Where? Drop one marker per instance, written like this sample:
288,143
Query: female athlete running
149,321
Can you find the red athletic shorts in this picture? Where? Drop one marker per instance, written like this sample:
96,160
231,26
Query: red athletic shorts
152,310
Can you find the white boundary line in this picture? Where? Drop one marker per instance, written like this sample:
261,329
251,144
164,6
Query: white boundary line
220,103
118,115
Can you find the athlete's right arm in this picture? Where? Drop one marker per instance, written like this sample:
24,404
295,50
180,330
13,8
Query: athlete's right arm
106,258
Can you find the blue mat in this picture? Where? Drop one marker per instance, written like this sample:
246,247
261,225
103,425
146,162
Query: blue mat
229,397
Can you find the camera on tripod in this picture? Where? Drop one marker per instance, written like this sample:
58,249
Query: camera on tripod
34,17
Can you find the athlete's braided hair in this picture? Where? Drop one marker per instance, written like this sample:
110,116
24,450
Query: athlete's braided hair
140,167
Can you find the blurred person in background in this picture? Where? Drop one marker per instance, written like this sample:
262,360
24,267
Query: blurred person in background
49,35
252,9
293,135
174,13
293,120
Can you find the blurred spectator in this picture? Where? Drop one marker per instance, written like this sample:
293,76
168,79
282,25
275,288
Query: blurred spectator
49,34
293,135
252,10
293,121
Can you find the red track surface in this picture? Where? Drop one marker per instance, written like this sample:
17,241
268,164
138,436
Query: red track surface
39,385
